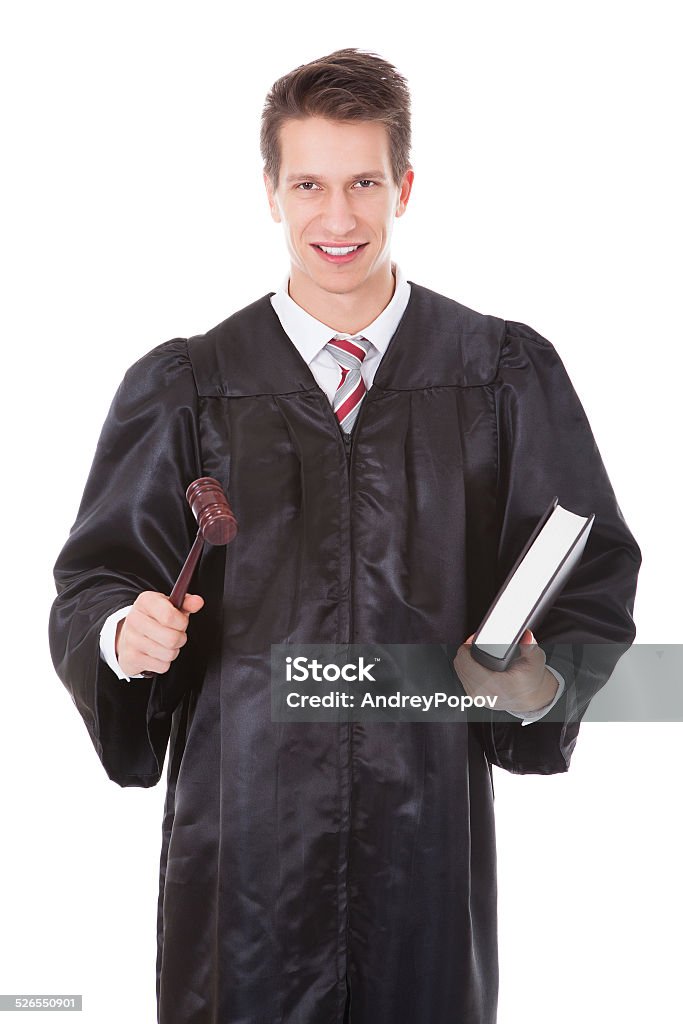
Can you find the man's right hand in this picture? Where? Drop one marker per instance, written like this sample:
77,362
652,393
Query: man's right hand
153,631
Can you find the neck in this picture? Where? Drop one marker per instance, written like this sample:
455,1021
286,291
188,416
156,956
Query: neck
344,312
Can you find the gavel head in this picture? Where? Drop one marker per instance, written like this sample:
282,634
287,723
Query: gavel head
210,507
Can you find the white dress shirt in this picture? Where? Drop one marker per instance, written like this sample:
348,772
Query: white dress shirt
310,337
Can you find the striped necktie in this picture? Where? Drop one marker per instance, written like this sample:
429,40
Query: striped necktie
349,353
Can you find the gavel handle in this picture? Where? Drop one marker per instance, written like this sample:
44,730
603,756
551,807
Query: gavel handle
177,595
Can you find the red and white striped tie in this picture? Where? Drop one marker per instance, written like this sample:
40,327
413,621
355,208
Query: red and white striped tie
349,353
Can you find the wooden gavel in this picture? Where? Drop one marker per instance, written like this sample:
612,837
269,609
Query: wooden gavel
217,526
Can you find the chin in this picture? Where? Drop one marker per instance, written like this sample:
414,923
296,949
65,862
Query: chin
337,284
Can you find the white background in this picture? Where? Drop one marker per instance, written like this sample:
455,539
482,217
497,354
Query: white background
546,190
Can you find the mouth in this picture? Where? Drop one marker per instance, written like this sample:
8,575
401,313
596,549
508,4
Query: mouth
339,253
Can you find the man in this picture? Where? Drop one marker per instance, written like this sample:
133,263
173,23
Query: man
387,452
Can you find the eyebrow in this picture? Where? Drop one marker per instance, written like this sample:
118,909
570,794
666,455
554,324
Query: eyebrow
310,176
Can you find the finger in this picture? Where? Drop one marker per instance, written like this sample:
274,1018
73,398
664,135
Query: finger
145,636
530,658
151,630
146,648
134,662
154,665
159,607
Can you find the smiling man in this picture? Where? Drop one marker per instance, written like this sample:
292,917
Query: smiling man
337,202
387,451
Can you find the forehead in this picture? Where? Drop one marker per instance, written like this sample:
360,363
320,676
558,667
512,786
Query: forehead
315,144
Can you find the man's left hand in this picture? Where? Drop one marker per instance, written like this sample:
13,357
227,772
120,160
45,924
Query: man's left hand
525,686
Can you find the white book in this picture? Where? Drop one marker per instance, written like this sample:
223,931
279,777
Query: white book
540,572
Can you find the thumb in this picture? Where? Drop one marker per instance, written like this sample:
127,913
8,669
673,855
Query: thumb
192,603
527,637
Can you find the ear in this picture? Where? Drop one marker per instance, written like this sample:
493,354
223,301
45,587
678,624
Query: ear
404,194
270,191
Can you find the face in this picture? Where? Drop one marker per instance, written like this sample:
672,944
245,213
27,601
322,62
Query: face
336,191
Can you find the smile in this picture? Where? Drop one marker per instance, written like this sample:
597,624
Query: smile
339,253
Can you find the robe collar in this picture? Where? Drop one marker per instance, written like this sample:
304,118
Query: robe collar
438,342
310,335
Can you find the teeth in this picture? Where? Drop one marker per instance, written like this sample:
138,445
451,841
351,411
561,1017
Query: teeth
339,252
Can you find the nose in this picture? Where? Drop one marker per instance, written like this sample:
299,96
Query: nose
337,218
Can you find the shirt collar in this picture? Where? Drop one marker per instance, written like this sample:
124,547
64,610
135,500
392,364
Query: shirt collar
311,335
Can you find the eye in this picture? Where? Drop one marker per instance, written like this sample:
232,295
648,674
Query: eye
365,181
302,185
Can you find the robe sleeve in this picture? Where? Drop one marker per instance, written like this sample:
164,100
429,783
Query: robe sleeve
132,533
546,448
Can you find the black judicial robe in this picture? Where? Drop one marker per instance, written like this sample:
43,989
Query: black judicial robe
317,872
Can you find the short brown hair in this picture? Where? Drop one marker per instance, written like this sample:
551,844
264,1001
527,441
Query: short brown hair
347,85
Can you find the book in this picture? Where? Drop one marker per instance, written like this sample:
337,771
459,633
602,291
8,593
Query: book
537,577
